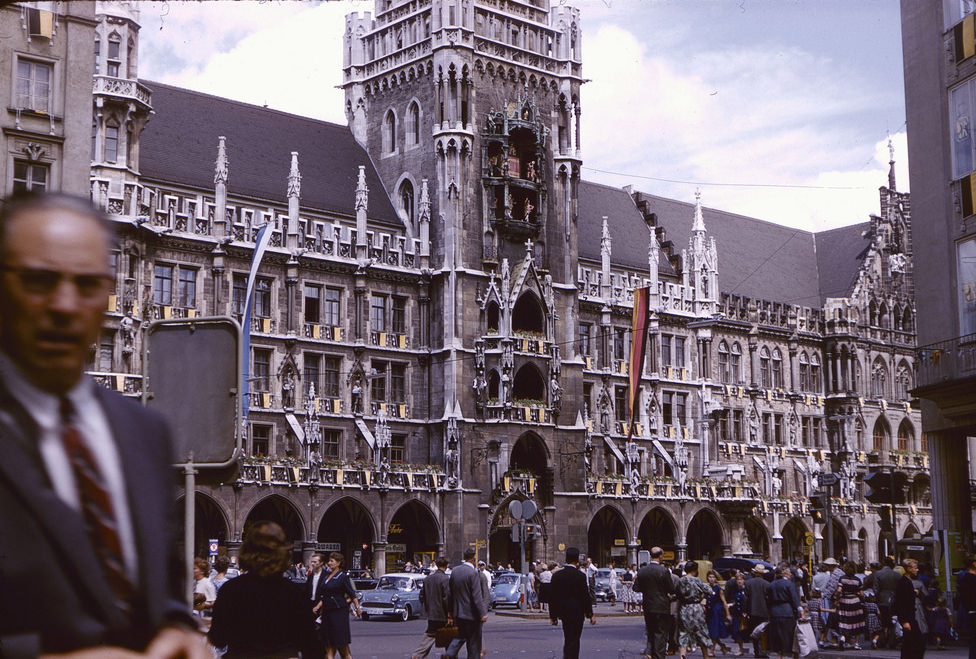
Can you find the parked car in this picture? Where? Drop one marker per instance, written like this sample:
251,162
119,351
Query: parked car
495,574
601,583
395,595
362,579
725,566
507,591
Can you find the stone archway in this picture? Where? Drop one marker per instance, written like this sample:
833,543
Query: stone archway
413,536
529,454
501,548
704,539
209,523
757,536
841,547
794,540
280,510
347,527
607,536
658,529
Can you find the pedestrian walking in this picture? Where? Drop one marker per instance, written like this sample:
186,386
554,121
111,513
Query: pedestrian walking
967,601
436,598
756,606
784,609
884,582
850,612
906,608
337,592
468,605
735,595
717,613
692,593
571,603
654,583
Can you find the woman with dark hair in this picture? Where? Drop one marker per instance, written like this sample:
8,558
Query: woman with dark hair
717,612
336,593
260,613
784,609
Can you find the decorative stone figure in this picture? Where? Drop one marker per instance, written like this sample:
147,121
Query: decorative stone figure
128,331
794,423
777,484
555,394
480,387
288,390
357,395
753,427
314,466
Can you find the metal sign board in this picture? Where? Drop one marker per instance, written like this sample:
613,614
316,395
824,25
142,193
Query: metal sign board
192,377
827,479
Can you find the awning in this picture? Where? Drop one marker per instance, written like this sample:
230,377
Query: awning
664,453
367,435
296,427
616,451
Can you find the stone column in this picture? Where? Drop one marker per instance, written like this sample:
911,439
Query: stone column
379,558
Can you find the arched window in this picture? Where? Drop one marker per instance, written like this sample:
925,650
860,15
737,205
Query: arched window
906,435
765,371
907,323
724,374
413,124
735,363
903,382
493,385
491,316
777,368
880,435
804,372
389,132
884,320
405,199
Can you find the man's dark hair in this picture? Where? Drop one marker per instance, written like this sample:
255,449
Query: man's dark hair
572,555
888,561
20,202
221,564
469,553
657,552
321,556
441,562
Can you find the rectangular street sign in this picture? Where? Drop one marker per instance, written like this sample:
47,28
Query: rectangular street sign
827,479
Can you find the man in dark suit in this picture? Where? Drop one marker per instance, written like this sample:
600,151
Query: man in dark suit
86,483
436,598
654,582
756,606
469,605
884,581
570,602
913,637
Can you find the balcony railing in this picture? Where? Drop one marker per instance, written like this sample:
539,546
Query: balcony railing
323,332
395,410
946,361
389,339
264,471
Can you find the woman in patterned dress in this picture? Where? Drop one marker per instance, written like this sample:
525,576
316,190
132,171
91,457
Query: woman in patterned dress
691,595
850,611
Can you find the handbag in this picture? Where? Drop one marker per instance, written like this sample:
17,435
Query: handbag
804,640
444,635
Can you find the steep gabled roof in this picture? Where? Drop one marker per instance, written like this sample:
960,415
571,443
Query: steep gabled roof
840,254
179,146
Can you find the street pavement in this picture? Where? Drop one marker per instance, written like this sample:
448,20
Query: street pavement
508,634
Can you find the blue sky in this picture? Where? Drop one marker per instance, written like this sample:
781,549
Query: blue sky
777,109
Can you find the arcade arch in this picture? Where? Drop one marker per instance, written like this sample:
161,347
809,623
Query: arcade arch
347,527
278,509
209,523
794,540
413,535
658,529
607,530
705,537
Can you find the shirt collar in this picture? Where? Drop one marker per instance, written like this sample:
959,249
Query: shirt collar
41,405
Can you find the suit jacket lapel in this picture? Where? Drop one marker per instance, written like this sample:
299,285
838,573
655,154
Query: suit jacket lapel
26,476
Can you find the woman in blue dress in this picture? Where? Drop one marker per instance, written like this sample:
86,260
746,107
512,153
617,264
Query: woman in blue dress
336,594
735,595
717,613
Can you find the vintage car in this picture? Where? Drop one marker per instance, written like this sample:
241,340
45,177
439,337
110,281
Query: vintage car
362,579
507,590
601,584
395,595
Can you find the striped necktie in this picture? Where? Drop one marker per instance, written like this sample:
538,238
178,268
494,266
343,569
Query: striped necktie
96,507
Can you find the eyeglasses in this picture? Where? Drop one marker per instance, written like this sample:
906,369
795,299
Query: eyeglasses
42,283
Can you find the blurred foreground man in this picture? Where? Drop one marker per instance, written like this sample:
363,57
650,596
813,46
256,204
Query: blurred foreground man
86,483
570,603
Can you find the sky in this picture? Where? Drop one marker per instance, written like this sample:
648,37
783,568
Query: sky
776,109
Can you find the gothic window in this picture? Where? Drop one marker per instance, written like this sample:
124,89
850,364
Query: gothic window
804,372
527,315
528,384
884,319
903,382
724,374
765,369
130,60
406,200
735,363
880,435
413,124
389,132
492,317
907,324
777,366
906,435
815,373
98,52
494,384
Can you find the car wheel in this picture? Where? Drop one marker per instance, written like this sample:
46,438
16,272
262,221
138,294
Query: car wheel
364,615
406,613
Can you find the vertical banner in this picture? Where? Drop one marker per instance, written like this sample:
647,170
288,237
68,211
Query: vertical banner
260,246
638,346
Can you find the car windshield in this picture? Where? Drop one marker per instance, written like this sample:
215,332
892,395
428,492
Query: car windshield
508,578
394,583
603,572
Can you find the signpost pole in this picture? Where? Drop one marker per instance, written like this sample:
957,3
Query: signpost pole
522,557
189,510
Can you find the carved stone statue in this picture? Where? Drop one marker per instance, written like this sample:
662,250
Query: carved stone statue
794,424
357,395
288,390
314,466
753,427
128,331
555,394
682,480
480,387
605,415
587,455
777,484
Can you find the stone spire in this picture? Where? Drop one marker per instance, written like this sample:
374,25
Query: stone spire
699,225
653,256
605,251
891,166
424,220
294,196
220,189
362,204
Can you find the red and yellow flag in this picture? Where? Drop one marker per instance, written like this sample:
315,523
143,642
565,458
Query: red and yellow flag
638,346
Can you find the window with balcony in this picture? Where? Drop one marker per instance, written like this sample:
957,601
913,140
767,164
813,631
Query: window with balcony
777,366
377,382
106,352
398,383
377,313
906,435
398,448
398,315
313,303
311,373
98,53
803,369
331,307
262,298
724,367
330,376
34,85
30,176
261,373
620,336
187,292
738,421
583,341
880,435
955,10
331,440
735,362
239,294
260,439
